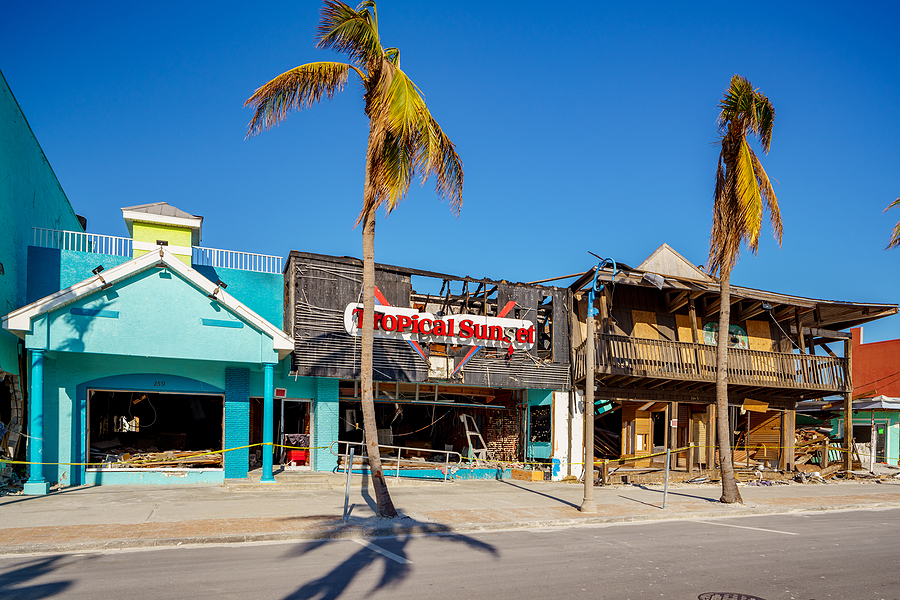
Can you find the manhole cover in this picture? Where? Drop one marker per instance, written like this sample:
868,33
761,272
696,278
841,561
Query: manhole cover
727,596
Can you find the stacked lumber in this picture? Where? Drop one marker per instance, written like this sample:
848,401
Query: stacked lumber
179,459
808,445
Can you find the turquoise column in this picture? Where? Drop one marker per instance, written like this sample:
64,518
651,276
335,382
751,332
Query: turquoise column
36,484
268,426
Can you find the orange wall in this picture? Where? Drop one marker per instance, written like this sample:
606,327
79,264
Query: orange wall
876,366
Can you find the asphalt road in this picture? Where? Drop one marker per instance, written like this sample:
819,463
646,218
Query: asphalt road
853,555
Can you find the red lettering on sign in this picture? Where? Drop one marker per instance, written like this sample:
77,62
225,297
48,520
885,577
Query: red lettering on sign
522,335
496,333
449,327
393,323
531,335
465,329
403,323
438,328
422,324
358,314
378,317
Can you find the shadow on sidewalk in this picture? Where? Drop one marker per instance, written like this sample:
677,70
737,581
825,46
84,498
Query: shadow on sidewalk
393,537
525,489
13,584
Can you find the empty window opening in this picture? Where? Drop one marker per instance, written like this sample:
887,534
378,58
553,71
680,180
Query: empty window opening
147,430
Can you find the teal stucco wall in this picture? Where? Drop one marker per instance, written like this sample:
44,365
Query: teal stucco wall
539,450
51,270
30,196
153,313
70,375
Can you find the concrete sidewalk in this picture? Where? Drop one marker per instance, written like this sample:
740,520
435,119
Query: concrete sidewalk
89,518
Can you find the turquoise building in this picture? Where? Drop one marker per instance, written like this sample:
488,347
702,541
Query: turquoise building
30,197
153,344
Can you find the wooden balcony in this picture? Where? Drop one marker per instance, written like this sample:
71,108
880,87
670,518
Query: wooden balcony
623,361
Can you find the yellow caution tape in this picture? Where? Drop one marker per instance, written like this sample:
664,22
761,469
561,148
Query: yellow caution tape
143,461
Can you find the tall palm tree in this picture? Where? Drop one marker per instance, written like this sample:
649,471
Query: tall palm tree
404,140
743,192
895,234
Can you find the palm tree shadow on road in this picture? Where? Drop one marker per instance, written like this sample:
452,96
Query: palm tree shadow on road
13,583
396,568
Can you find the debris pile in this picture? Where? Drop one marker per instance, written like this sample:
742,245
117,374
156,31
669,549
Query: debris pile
145,454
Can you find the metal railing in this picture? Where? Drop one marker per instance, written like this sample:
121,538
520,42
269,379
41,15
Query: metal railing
232,259
79,241
624,355
362,453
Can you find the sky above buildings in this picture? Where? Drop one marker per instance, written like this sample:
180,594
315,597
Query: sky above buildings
587,130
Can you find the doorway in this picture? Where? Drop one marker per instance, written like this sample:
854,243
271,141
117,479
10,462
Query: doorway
293,427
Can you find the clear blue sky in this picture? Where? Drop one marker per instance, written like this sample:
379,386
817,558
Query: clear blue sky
592,129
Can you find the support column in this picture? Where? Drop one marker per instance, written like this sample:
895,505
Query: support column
36,484
268,424
848,407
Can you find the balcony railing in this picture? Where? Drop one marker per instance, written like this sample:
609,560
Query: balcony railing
662,359
230,259
119,246
82,242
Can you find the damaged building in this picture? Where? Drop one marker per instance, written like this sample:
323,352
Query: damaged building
655,364
465,369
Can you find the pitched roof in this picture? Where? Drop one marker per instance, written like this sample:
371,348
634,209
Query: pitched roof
667,262
19,321
160,208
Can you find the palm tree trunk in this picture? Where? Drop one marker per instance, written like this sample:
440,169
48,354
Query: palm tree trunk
385,506
730,493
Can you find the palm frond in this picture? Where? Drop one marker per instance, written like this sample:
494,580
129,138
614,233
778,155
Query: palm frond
438,157
895,234
768,195
295,89
349,31
748,197
765,122
743,189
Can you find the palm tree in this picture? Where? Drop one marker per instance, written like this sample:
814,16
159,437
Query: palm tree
895,235
404,139
743,191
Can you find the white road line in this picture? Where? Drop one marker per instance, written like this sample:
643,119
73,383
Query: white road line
753,528
383,552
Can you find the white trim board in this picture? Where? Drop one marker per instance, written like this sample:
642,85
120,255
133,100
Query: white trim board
19,321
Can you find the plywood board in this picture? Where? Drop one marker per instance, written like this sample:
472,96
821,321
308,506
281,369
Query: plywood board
683,322
644,324
755,405
760,335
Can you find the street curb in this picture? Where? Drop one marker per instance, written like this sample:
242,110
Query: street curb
420,528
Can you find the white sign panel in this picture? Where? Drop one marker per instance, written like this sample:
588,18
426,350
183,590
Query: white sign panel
392,322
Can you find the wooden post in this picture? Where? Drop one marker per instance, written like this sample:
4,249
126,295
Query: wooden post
673,432
823,463
711,440
747,437
848,407
604,472
695,335
692,452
